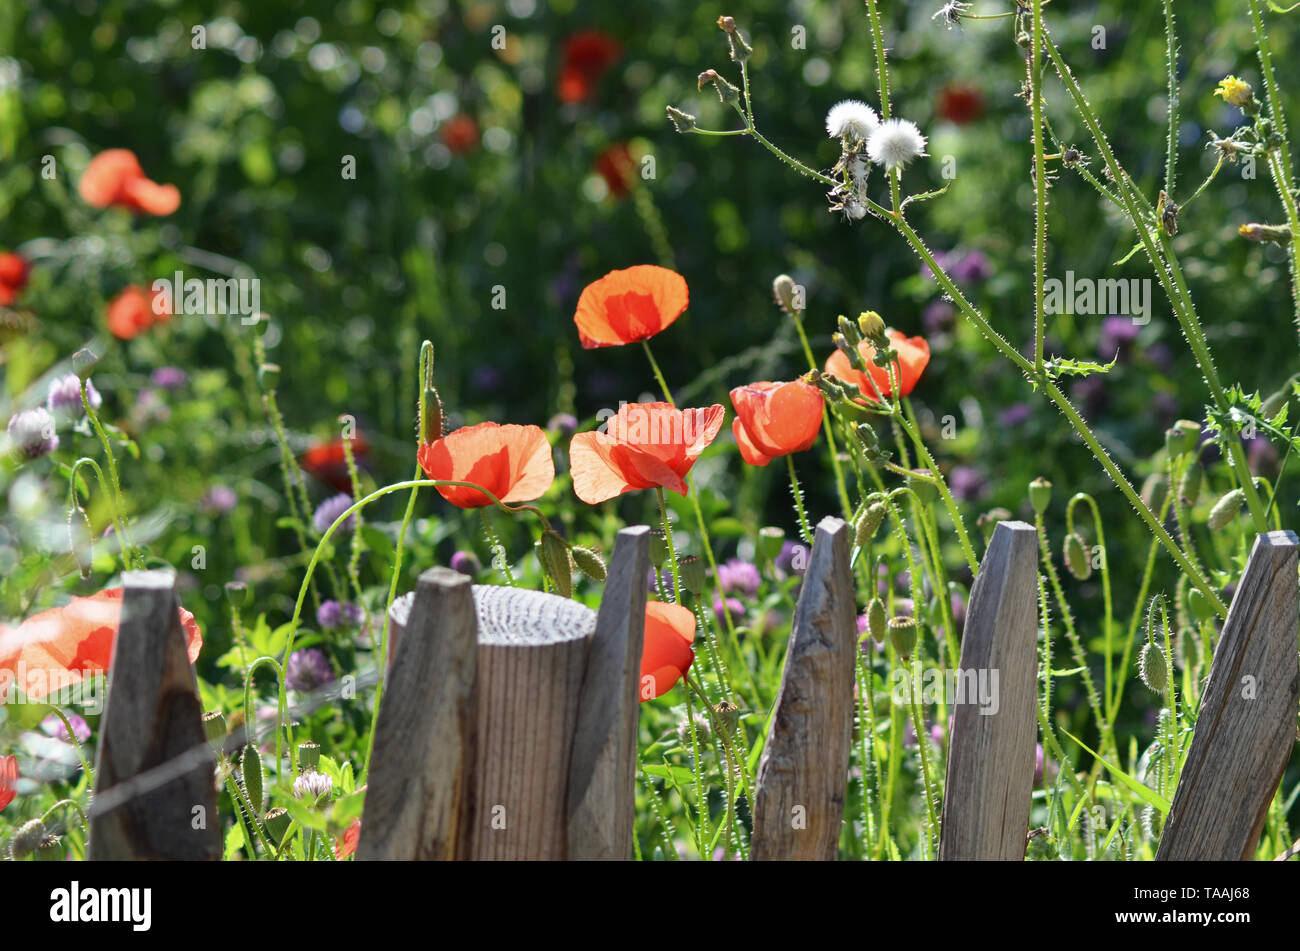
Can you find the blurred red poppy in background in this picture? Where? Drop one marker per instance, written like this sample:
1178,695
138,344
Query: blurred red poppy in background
114,177
588,55
959,104
646,445
617,166
666,654
913,355
13,276
328,463
8,779
775,419
512,462
132,312
63,645
347,843
460,134
629,305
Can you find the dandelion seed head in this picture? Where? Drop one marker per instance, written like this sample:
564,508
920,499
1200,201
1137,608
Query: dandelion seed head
852,118
895,144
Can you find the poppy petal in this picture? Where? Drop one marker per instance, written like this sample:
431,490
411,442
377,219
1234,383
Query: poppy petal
748,451
629,305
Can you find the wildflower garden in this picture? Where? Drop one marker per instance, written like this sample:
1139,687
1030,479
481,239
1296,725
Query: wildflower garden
518,429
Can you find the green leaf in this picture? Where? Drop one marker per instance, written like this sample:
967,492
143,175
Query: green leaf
678,774
1146,794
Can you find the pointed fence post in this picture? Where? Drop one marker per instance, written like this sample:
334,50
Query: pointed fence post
1246,726
803,775
602,773
424,736
990,773
152,716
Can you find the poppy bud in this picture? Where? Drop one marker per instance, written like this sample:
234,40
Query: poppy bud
276,823
214,728
876,623
589,563
702,729
238,594
1151,668
1226,509
1154,491
27,839
770,540
728,94
682,121
1076,557
868,523
1200,605
49,850
783,290
431,417
658,547
83,362
79,541
1189,490
308,756
988,521
268,375
1182,437
556,562
692,574
902,634
1040,495
250,773
728,715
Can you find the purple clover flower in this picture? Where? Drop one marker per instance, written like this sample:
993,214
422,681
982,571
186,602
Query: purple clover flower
565,424
331,509
31,433
332,615
64,397
219,499
793,559
169,378
308,669
738,576
466,562
54,727
732,607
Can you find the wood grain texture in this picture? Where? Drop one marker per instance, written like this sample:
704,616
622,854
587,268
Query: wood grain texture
532,655
990,773
803,774
602,771
1246,727
151,716
416,797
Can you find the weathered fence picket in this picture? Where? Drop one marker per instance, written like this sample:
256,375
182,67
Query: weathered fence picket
542,716
1247,722
152,715
990,775
803,774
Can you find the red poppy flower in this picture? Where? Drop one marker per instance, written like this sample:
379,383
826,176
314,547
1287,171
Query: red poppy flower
512,462
8,780
959,104
62,646
775,419
13,276
347,843
132,312
114,177
328,463
629,305
460,134
666,654
617,166
588,55
913,355
645,445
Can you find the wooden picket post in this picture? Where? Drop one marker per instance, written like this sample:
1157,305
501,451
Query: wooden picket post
803,774
1246,726
990,775
522,747
152,716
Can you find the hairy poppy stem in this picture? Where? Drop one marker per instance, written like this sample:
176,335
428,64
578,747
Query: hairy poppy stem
798,500
672,549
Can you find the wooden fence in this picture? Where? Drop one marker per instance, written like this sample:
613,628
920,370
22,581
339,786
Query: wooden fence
508,725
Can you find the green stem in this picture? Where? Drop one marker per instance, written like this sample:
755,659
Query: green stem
672,549
798,500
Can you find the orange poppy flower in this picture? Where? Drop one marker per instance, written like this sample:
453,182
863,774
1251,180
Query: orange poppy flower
587,56
132,312
347,843
646,445
617,166
460,134
629,305
512,462
8,780
666,654
13,276
913,355
775,419
114,177
63,646
327,462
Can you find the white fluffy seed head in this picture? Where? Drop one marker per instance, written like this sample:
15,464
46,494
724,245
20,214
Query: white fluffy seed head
852,118
895,143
